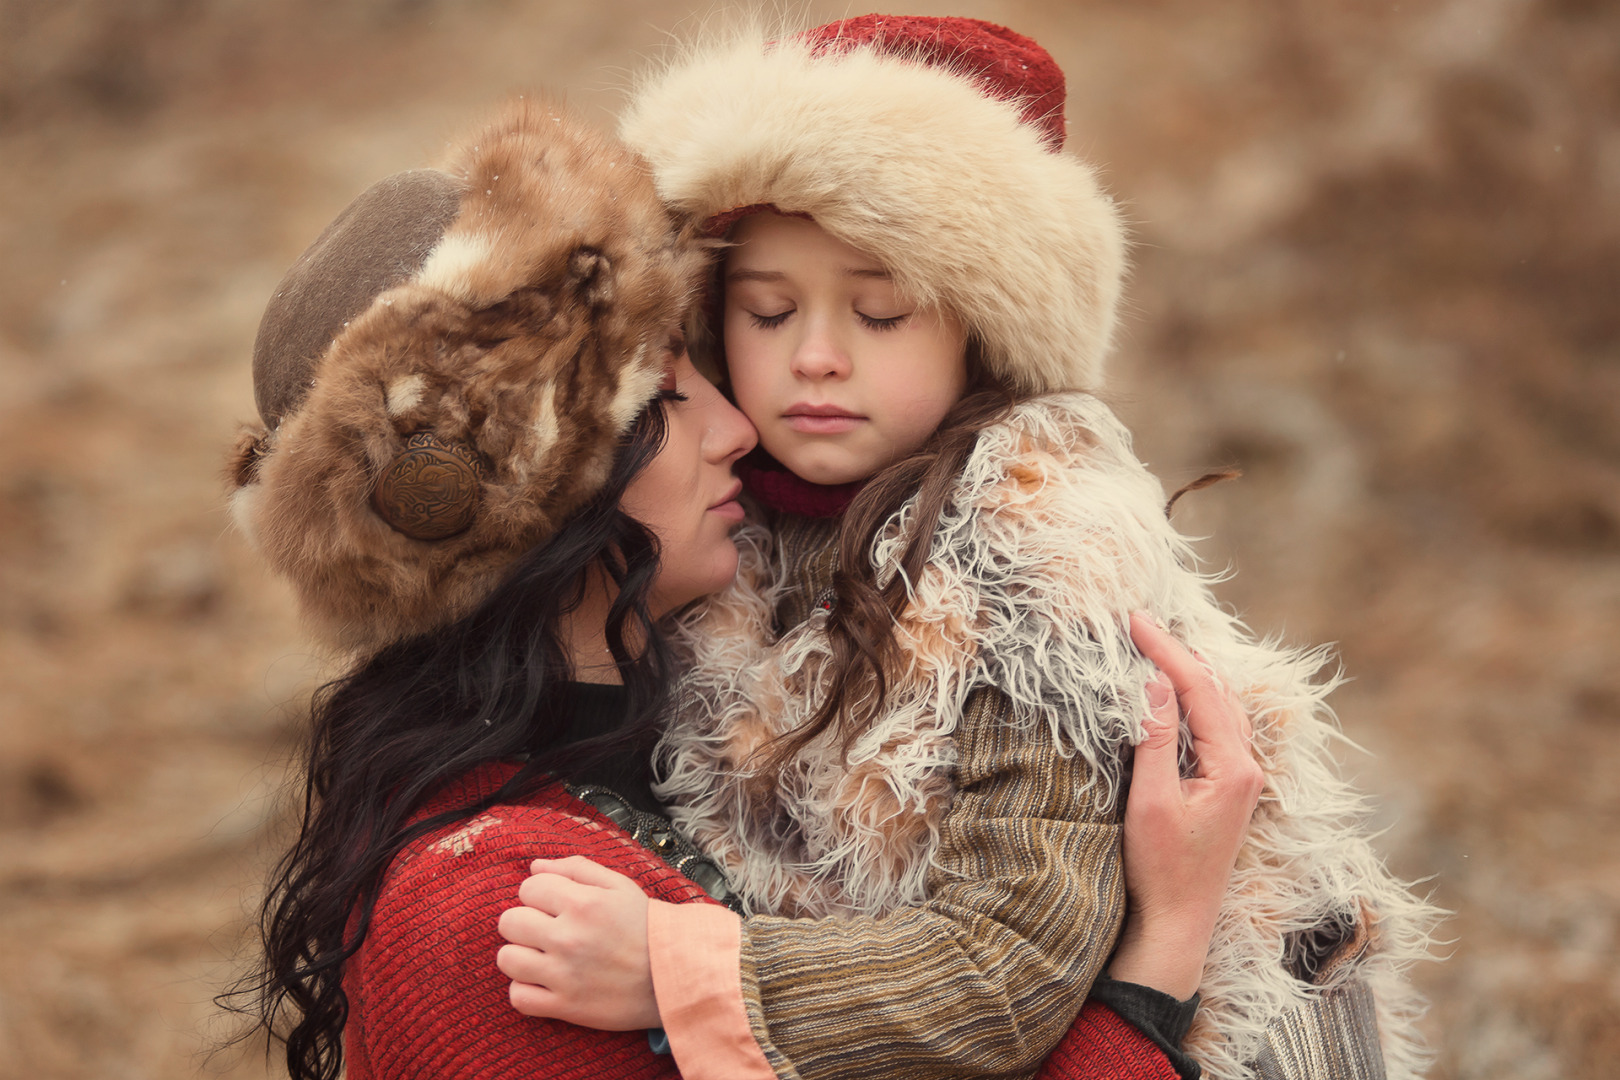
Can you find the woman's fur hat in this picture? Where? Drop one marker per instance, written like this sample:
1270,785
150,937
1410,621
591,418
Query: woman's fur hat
446,374
932,144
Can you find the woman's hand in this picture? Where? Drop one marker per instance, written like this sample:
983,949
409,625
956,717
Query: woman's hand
578,947
1182,835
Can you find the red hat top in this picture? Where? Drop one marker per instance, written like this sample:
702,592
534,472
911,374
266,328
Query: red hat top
1007,65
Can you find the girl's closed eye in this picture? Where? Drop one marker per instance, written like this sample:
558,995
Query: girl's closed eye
770,322
872,322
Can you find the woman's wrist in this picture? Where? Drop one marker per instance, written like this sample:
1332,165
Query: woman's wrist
1168,959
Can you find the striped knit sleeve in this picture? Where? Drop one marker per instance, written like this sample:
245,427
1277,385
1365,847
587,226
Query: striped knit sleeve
1026,897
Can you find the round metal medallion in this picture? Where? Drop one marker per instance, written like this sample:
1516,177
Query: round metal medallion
431,490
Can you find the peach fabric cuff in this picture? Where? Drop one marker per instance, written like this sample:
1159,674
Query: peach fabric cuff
696,950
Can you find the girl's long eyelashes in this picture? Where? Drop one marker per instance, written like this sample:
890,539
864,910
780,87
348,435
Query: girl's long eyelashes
769,322
671,394
891,323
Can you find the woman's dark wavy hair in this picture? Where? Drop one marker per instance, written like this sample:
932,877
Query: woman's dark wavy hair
420,713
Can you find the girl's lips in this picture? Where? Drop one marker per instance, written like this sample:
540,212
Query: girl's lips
822,425
810,419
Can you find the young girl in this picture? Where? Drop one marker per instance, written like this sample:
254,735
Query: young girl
903,724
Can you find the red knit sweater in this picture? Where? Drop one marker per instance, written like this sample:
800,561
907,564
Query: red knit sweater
425,997
426,1000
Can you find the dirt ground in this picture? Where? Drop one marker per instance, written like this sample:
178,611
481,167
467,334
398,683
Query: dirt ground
1377,267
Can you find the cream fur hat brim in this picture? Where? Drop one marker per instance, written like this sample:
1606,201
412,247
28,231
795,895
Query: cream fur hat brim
912,163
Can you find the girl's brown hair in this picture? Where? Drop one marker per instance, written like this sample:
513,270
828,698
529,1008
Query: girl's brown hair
860,629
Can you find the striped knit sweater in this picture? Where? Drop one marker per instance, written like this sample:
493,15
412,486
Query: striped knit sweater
1022,896
1003,732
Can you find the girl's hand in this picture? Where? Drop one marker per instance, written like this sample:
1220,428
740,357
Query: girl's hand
1182,835
578,947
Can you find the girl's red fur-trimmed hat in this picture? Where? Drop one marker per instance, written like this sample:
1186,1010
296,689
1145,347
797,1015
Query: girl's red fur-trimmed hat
933,144
446,373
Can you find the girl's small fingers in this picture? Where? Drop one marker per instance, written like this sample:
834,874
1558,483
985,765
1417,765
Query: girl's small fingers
524,925
522,964
548,892
579,869
531,1000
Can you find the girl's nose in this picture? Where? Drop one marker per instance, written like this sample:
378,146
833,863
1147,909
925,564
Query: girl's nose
820,356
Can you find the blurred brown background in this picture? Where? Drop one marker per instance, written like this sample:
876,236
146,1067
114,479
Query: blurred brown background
1377,250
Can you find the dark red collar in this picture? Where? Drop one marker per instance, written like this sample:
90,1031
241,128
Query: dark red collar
779,489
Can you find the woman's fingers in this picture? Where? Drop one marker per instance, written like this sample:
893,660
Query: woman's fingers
1195,683
1168,655
1219,725
1155,778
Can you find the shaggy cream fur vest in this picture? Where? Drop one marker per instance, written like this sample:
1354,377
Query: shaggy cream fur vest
1054,535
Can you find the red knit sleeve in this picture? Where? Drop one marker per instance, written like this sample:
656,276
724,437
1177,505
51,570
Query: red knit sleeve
1102,1046
426,999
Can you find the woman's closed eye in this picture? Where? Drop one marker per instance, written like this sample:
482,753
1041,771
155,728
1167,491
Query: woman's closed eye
667,390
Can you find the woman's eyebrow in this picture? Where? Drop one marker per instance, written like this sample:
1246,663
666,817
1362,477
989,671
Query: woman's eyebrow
867,272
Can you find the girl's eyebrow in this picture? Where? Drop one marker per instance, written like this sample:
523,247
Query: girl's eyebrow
777,275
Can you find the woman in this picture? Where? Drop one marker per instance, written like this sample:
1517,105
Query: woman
488,469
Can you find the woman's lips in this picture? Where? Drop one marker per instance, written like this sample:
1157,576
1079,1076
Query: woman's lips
728,507
730,511
808,419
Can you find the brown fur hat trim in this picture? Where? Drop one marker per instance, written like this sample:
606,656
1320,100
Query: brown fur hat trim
443,386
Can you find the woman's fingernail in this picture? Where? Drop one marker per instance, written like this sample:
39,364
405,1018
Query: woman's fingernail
1158,694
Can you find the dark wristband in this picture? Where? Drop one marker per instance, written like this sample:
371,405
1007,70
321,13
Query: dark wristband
1160,1017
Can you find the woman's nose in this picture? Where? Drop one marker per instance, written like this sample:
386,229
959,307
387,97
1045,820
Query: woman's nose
729,434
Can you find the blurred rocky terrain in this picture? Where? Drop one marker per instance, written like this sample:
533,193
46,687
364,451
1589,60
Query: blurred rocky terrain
1377,267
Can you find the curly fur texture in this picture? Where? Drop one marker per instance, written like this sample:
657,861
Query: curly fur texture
1056,533
532,334
912,164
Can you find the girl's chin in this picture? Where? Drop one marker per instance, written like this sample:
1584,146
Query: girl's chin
823,468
